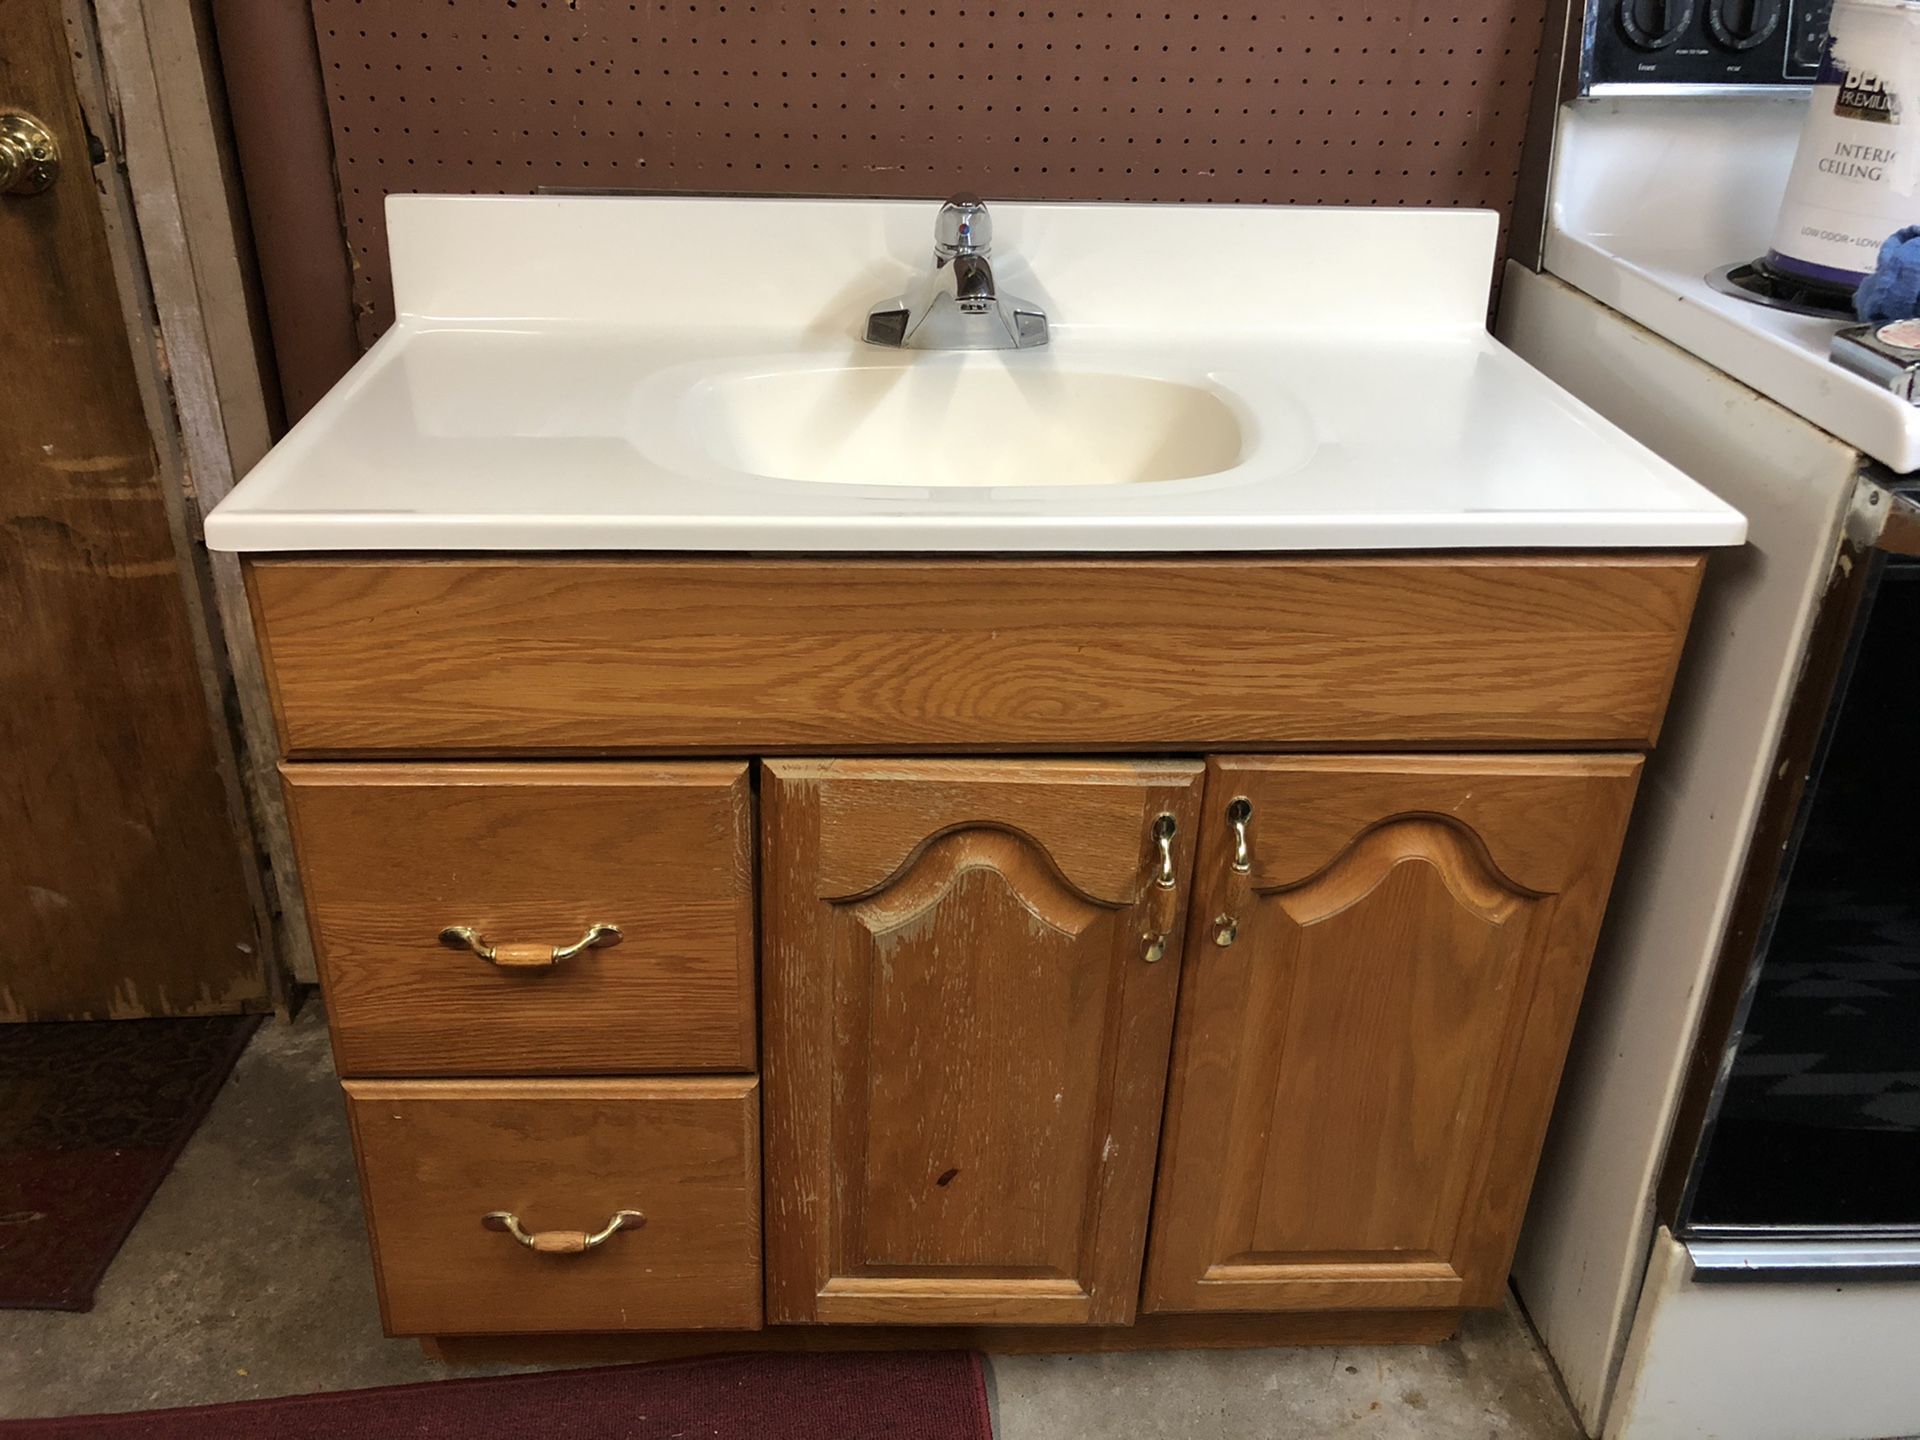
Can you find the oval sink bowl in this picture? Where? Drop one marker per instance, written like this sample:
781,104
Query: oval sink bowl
976,423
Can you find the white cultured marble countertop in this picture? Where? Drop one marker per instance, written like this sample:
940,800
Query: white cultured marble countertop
541,390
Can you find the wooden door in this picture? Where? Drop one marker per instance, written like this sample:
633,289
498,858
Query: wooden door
966,1034
123,888
1362,1076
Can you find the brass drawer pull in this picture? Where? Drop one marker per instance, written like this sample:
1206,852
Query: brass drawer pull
465,937
562,1242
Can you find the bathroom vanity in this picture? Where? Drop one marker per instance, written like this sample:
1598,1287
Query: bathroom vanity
1101,841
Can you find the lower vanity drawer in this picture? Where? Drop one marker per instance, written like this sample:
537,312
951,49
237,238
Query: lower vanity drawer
444,1163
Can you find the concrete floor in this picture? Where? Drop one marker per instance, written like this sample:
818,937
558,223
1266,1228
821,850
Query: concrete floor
248,1276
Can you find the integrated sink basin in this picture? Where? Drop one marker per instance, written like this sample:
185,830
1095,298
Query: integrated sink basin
617,373
935,422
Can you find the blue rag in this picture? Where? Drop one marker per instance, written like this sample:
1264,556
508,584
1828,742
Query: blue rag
1892,291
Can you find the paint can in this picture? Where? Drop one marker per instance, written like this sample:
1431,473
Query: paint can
1857,169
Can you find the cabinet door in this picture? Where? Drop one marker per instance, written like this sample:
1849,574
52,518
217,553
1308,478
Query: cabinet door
1362,1075
967,1022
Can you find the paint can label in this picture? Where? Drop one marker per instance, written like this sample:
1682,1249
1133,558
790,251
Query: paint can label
1842,198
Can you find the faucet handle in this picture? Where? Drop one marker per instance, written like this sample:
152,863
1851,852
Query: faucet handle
963,227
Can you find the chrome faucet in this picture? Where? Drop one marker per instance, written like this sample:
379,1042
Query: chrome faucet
957,305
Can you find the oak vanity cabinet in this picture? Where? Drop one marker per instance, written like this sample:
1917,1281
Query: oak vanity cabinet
1210,988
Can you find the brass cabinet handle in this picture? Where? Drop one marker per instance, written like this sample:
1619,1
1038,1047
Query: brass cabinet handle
1163,832
598,937
29,155
1239,812
1165,899
517,957
562,1242
1226,925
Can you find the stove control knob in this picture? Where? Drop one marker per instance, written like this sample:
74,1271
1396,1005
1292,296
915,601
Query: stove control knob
1656,24
1742,24
1809,47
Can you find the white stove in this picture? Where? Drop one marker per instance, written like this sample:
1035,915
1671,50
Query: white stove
1649,192
1652,195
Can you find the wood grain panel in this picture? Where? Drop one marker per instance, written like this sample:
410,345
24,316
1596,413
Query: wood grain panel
531,856
965,1044
472,656
1362,1077
124,884
435,1156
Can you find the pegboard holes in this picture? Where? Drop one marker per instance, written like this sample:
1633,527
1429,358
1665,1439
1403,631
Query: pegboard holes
1026,101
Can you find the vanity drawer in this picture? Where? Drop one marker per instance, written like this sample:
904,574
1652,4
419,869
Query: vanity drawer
529,858
563,1157
1044,655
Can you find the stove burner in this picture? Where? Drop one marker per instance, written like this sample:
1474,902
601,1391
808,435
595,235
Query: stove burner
1753,281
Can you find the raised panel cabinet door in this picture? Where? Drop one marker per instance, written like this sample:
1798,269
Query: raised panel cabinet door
1384,962
969,977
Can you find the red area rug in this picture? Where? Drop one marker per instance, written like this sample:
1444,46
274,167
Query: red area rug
92,1116
934,1396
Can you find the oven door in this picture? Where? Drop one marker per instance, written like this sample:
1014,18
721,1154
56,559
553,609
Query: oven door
1809,1153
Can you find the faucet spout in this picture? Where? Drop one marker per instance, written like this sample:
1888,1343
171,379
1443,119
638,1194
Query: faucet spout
973,288
958,305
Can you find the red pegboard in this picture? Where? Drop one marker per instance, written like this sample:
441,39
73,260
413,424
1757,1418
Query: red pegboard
1326,104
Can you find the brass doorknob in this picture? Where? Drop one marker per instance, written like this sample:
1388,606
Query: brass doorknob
29,155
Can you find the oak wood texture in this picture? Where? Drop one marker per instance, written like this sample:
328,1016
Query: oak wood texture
530,856
848,655
436,1156
1148,1332
1362,1080
124,878
965,1046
